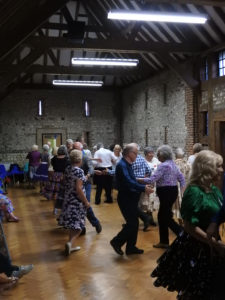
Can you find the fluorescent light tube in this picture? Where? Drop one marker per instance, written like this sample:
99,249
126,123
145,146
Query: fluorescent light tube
130,15
77,83
104,62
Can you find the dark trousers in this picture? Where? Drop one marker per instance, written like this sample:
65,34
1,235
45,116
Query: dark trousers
103,182
143,216
167,196
91,217
128,204
6,266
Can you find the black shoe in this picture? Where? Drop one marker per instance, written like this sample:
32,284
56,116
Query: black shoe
116,247
83,232
146,225
98,227
151,220
107,201
97,202
153,223
134,250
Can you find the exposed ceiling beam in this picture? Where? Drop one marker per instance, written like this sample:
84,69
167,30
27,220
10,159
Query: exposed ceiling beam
21,67
20,25
111,45
64,70
220,3
88,28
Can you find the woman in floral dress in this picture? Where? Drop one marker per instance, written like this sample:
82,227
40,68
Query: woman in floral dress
194,265
75,202
6,207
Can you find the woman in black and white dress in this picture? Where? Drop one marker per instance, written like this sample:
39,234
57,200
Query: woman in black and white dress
75,202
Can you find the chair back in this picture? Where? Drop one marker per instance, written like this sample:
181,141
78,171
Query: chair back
3,172
26,167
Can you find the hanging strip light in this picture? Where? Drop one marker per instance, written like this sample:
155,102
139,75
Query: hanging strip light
104,62
175,17
78,83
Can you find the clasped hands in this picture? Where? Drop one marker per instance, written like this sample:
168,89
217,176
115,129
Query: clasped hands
103,172
213,236
149,189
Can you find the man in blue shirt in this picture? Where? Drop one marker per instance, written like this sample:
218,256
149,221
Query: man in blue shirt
128,196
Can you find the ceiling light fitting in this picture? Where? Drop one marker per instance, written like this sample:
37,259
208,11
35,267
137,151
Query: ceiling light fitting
130,15
78,83
104,62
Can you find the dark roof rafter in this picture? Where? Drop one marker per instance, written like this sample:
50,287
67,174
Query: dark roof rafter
27,21
87,71
112,45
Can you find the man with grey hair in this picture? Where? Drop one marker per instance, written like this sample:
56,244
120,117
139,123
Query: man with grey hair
103,181
69,145
128,196
197,147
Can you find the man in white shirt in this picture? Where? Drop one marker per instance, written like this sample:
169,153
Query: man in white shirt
103,181
196,149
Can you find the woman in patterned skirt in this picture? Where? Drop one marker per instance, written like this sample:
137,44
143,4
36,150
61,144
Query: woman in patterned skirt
59,163
194,265
75,202
6,207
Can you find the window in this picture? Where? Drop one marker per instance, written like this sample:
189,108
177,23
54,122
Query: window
146,137
221,59
205,123
165,135
146,100
40,108
204,75
164,94
86,109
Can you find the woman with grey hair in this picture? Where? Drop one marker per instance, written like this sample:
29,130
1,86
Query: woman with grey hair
75,202
34,157
59,163
41,174
166,177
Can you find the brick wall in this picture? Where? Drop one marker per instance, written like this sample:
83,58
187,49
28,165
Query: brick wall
159,110
19,118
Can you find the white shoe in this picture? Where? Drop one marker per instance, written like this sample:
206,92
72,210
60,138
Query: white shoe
67,248
23,270
76,248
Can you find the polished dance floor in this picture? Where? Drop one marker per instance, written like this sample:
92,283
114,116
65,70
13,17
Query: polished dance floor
95,272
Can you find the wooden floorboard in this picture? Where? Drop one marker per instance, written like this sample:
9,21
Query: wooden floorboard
93,273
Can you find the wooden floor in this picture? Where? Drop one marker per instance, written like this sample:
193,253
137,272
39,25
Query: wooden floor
93,273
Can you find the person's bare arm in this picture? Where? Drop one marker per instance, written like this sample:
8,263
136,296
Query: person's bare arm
201,235
81,194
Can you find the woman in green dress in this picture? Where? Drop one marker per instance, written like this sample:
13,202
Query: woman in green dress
194,265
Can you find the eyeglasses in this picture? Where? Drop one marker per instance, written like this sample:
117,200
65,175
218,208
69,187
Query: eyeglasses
134,153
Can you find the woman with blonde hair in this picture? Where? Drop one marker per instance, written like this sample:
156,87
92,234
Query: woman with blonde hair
194,265
117,154
75,202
